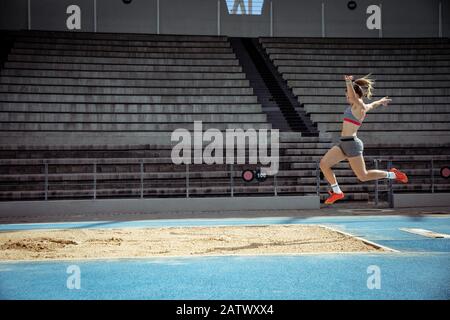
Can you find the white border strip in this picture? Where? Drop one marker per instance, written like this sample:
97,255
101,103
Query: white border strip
376,245
426,233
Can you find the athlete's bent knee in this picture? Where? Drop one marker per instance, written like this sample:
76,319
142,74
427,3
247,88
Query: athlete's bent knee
323,164
363,177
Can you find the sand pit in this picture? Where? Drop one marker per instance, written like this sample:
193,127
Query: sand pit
175,241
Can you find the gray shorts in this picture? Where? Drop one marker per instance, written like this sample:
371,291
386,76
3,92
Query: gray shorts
351,146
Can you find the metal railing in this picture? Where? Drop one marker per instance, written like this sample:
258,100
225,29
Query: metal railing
141,180
389,162
187,174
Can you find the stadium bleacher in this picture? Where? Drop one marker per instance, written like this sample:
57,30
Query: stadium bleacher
88,115
415,73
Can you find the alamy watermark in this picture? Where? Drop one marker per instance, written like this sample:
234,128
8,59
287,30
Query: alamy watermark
214,147
74,280
374,279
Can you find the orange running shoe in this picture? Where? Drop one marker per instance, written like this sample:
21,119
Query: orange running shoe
334,197
399,176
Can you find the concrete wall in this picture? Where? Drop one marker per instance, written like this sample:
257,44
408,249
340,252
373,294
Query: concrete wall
400,18
188,17
297,18
410,200
13,14
411,18
137,17
51,14
339,20
133,206
446,18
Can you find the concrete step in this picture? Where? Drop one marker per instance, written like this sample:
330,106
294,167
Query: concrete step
332,84
355,69
358,52
402,149
382,183
379,76
62,98
50,51
339,56
94,90
388,126
131,43
388,117
116,139
295,137
309,151
144,151
407,137
405,161
153,192
420,188
115,36
372,153
83,138
130,118
358,63
305,145
308,161
124,82
132,108
77,126
122,61
123,75
393,108
411,92
119,67
303,152
132,148
195,177
122,48
63,166
396,99
358,46
357,41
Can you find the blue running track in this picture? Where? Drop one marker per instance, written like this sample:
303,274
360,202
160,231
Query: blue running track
420,270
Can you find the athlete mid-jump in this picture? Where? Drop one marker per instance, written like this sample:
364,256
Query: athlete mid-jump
350,147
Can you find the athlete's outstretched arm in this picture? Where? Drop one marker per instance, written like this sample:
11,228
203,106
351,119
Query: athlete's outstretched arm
383,101
352,97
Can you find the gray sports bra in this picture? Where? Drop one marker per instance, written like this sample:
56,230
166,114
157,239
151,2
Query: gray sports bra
349,117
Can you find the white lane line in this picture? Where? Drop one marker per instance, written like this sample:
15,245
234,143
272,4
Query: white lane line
376,245
426,233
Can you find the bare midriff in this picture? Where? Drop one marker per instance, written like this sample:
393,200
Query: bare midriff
349,129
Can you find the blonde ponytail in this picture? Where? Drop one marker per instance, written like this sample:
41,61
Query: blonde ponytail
366,84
